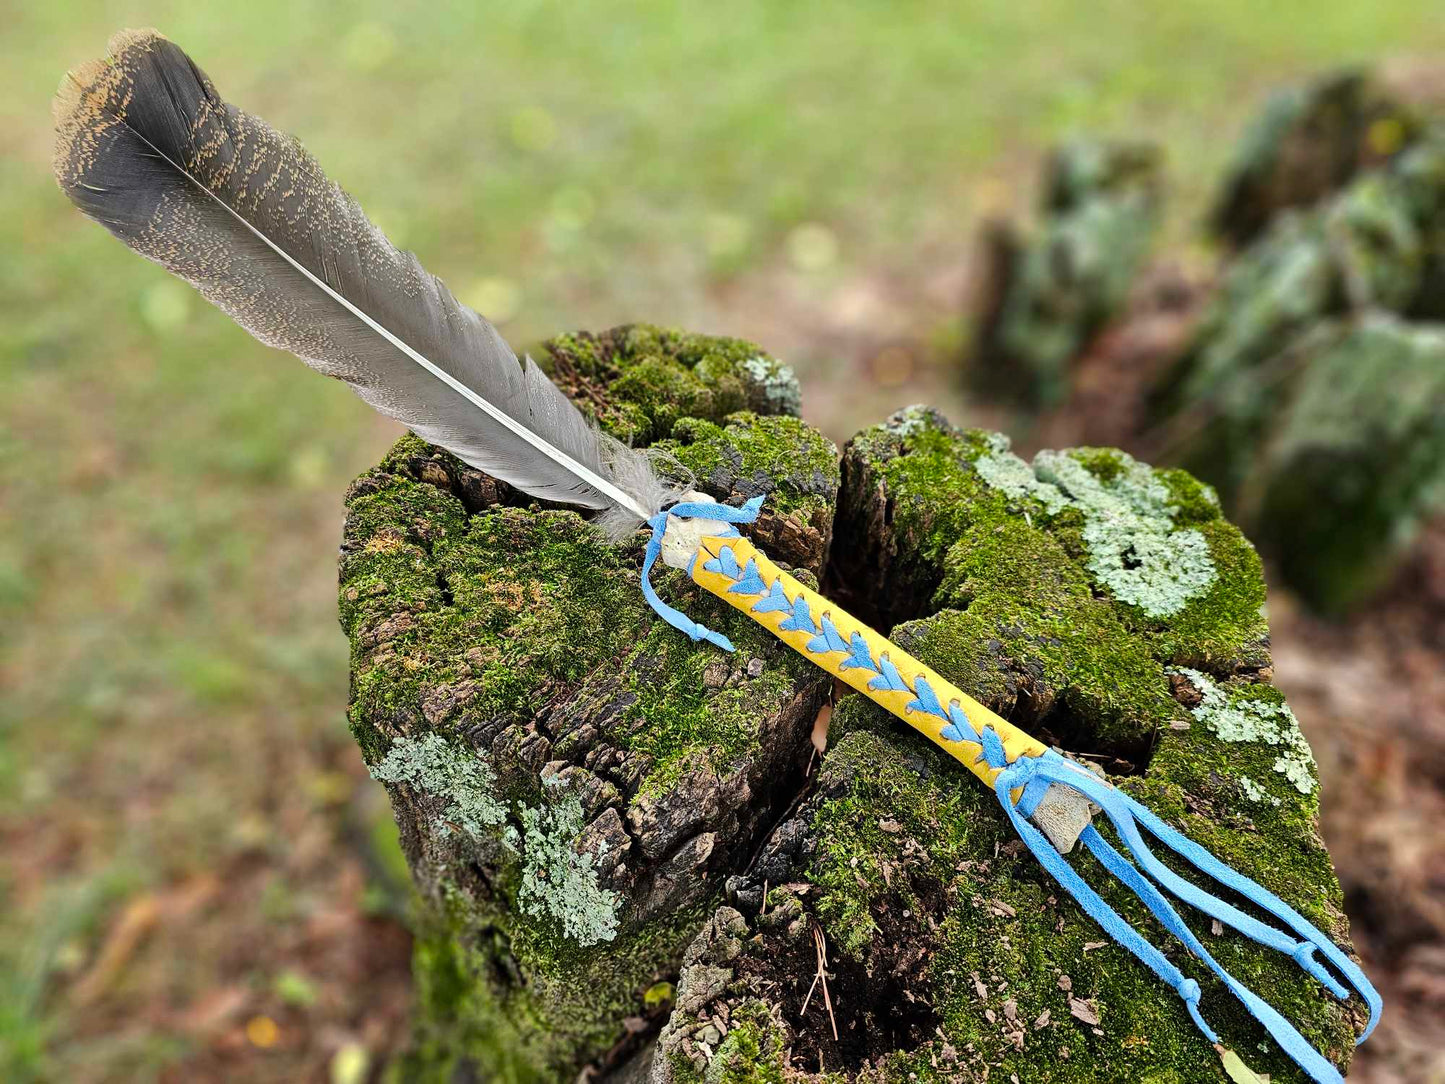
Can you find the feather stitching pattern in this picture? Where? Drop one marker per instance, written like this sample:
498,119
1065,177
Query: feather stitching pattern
147,148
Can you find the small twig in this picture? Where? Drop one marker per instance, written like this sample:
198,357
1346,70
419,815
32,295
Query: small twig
827,999
567,369
822,976
816,976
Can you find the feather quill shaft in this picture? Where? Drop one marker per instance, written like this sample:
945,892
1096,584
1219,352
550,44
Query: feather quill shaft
147,148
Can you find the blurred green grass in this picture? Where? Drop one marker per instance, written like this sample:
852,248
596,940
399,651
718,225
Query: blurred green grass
170,491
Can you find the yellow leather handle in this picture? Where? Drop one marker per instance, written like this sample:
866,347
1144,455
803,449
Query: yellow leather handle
739,574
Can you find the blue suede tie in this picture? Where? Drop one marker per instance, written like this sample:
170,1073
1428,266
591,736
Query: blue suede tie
691,510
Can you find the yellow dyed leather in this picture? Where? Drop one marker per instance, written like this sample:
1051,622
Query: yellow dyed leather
1016,743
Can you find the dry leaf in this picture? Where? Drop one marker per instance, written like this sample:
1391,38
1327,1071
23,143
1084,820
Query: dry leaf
1237,1070
820,728
137,920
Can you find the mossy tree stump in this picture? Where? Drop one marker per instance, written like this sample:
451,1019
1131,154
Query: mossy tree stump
581,790
951,954
1044,295
1307,142
572,779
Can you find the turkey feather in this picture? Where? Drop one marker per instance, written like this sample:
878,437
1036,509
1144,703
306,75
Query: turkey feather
146,147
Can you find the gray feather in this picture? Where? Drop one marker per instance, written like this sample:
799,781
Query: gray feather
146,147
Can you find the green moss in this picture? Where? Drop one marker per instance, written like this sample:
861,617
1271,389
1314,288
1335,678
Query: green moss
693,709
538,598
750,454
1017,605
926,466
534,597
1109,465
447,1001
477,1019
885,802
750,1053
640,380
1194,501
659,994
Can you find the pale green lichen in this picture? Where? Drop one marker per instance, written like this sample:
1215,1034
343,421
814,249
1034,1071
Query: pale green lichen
913,420
431,764
1134,547
1255,793
1006,471
559,881
777,382
1242,719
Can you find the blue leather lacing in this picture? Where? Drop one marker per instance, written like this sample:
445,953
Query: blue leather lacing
1034,776
1127,816
691,510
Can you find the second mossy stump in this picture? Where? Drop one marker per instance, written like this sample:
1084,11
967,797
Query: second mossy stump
1046,293
581,790
1311,393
